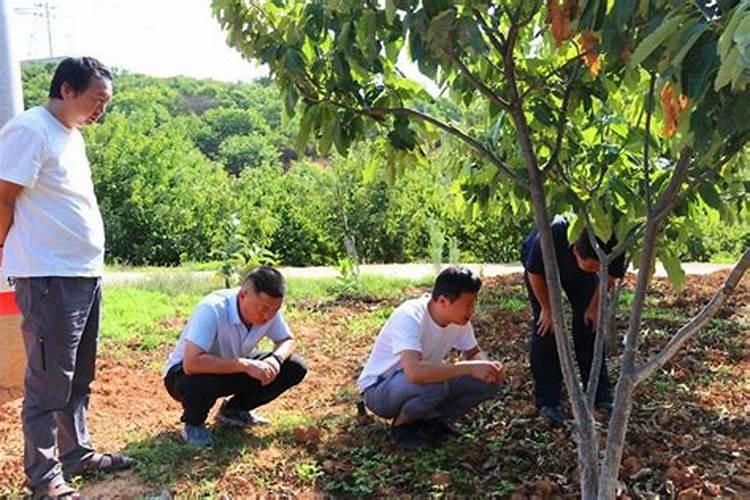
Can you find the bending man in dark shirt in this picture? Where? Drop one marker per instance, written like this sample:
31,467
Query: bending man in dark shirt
578,266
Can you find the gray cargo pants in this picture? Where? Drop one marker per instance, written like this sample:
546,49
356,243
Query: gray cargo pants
60,330
394,395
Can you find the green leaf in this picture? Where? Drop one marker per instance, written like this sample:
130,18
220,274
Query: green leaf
390,11
672,265
725,40
655,38
576,228
687,40
698,66
328,131
294,61
305,126
600,220
470,32
727,69
290,100
624,11
710,195
741,35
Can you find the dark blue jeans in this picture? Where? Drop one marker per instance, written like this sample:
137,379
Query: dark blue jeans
545,364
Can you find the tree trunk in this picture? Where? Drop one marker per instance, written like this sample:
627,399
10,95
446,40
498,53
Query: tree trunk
585,434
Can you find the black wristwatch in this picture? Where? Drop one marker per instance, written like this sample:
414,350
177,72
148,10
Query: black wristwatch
277,358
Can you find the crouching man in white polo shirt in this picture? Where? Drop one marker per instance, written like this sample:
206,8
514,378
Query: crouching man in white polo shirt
406,378
216,356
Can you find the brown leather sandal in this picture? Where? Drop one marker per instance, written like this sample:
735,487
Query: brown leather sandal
99,462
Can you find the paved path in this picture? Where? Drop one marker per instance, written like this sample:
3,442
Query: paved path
411,271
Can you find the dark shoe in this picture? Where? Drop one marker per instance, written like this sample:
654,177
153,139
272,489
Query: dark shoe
239,418
197,435
439,429
554,414
99,462
409,437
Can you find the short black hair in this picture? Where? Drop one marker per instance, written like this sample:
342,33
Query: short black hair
267,280
586,249
454,281
78,72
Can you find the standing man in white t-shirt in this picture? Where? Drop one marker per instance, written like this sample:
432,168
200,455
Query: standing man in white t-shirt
406,378
52,244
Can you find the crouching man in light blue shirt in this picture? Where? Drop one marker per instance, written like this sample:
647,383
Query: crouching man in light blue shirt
216,356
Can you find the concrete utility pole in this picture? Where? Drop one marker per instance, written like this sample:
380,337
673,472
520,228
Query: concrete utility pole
11,100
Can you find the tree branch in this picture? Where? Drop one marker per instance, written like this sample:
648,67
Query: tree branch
699,321
481,148
601,314
496,38
654,220
478,84
561,122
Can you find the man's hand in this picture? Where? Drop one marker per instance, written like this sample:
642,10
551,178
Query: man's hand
274,364
544,323
488,372
259,370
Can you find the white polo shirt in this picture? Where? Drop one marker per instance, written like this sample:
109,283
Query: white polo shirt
57,228
411,328
216,327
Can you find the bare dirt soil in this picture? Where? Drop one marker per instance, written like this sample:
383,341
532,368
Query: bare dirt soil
689,435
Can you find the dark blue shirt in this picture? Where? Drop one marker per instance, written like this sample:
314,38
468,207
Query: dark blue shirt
572,277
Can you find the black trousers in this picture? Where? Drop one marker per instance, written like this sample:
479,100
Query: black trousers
545,364
198,393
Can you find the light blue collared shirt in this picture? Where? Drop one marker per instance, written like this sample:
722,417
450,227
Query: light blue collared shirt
215,326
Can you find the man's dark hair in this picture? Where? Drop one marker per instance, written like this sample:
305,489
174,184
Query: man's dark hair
78,72
586,249
267,280
455,280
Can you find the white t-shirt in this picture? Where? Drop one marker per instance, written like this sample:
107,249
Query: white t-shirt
57,227
411,328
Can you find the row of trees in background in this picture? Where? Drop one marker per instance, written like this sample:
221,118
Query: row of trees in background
185,168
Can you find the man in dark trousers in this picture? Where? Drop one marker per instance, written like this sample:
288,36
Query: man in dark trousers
52,243
578,266
217,356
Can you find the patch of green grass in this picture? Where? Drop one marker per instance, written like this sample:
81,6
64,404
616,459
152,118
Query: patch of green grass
387,287
165,460
512,303
625,299
369,323
155,458
144,317
284,422
663,383
308,471
371,286
671,315
372,470
306,289
180,283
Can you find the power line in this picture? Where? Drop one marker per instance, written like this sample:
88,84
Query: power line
45,11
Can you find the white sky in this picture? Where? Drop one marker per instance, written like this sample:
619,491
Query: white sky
155,37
